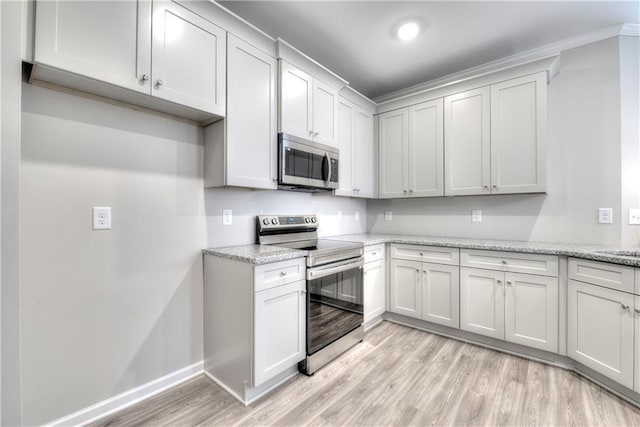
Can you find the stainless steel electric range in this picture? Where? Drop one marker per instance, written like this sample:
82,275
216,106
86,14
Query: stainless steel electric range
334,285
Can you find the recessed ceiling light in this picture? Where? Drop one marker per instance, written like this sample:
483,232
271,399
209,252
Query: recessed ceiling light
408,31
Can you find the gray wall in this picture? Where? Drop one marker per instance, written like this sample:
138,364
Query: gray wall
584,169
103,312
246,204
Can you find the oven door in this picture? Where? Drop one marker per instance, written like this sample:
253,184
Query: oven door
334,302
307,164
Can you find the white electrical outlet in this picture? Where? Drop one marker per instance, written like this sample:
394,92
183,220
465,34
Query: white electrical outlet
102,218
339,215
605,216
634,216
227,217
357,216
476,215
388,216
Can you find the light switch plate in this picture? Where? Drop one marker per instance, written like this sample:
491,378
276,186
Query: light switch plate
605,216
227,216
102,218
388,216
476,215
634,216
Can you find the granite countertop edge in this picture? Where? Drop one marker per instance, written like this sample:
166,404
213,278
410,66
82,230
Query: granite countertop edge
264,254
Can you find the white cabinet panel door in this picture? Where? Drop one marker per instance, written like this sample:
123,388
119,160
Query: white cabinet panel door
482,302
467,143
363,159
636,386
325,113
441,294
531,311
279,330
518,126
346,144
406,288
104,40
374,290
426,148
600,330
188,59
296,92
393,138
251,116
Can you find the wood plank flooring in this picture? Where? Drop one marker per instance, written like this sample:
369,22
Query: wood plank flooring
399,377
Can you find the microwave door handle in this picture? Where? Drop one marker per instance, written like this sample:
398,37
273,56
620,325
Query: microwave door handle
328,168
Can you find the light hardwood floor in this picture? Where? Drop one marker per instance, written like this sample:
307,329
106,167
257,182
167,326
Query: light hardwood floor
400,376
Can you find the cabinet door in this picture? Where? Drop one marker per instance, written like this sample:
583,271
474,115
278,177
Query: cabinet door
251,116
406,288
426,149
374,290
325,113
363,159
637,345
482,302
104,40
467,143
394,143
188,59
600,330
441,294
279,330
346,144
296,92
531,311
518,126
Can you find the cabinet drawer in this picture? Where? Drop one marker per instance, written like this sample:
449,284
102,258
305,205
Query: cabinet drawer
545,265
612,276
278,273
373,253
434,254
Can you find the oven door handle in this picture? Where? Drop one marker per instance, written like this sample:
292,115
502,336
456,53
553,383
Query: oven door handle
326,270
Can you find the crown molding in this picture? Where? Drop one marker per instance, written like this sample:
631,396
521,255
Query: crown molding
515,60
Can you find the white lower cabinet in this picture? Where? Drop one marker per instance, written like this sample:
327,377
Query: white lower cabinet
520,308
425,291
279,335
637,341
601,330
374,289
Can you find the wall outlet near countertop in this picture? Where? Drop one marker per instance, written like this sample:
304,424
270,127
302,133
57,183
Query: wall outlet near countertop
476,215
634,216
388,215
227,216
605,216
102,218
339,215
357,216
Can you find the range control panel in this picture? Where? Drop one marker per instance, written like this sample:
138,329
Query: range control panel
287,221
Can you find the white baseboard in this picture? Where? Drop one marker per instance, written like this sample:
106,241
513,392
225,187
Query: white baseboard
130,397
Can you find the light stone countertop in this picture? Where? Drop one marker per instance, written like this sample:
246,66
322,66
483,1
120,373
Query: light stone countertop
263,254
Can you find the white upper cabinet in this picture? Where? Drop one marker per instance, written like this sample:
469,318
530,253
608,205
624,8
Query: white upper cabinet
426,149
154,48
411,151
250,121
467,143
308,107
495,138
518,110
188,54
355,141
394,144
104,40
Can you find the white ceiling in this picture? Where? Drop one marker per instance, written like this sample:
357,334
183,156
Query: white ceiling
355,39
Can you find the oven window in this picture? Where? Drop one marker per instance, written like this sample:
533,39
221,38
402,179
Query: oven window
335,308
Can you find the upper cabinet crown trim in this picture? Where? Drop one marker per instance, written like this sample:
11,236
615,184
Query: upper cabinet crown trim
300,60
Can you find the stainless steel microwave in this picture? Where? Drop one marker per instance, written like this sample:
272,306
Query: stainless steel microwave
305,165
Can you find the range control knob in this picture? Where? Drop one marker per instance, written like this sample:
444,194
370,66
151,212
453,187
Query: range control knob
265,221
274,221
307,220
313,219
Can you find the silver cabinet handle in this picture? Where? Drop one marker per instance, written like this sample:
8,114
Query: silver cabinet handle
283,273
624,306
144,78
486,187
417,270
495,186
373,253
509,282
159,83
411,190
637,310
316,134
304,291
310,133
499,281
421,254
504,262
